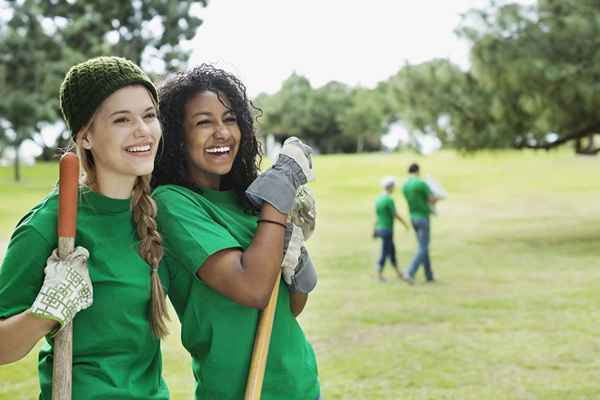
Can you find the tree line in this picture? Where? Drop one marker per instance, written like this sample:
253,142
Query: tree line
532,81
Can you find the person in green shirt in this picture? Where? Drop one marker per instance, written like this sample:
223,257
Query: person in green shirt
385,213
224,230
420,199
110,286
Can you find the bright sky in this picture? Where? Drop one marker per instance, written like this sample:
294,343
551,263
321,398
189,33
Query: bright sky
356,42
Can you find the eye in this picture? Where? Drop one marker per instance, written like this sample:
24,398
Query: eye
203,122
230,119
121,120
150,115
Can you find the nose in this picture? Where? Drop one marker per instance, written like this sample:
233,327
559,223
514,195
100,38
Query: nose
141,128
221,131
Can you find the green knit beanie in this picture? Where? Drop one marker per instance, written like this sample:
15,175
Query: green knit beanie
87,84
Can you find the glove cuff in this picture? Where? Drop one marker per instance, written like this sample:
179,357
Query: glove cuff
304,279
273,188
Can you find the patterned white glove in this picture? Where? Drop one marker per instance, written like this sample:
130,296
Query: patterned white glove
292,244
67,287
297,268
304,211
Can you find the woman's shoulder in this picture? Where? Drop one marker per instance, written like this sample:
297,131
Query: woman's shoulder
173,192
44,212
42,217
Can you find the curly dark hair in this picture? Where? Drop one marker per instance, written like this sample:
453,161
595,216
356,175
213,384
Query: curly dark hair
171,158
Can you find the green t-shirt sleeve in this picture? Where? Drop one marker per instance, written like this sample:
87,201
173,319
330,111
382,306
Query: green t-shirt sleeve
392,207
190,235
22,271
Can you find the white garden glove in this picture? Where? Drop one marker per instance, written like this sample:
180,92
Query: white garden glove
292,243
278,185
304,211
297,268
67,288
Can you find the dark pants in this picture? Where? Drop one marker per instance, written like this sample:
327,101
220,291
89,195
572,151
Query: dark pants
421,227
388,249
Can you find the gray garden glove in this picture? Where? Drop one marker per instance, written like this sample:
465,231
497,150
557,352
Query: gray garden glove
297,268
277,185
67,288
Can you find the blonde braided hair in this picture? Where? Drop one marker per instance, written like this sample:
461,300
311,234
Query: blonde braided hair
144,215
150,248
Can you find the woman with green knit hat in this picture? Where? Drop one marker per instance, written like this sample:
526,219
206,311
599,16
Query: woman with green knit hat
118,303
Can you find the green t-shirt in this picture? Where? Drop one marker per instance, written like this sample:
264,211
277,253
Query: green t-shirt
218,332
416,192
385,210
115,354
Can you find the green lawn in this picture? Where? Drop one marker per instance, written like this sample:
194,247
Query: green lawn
516,250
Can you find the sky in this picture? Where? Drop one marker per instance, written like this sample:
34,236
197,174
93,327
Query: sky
356,42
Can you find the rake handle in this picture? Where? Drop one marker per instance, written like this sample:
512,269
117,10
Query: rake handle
260,352
67,225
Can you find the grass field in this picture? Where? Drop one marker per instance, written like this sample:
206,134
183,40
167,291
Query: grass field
515,249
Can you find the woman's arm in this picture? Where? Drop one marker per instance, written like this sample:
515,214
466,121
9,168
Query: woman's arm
52,306
297,302
248,277
19,333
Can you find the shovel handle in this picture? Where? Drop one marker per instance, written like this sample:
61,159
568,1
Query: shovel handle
67,226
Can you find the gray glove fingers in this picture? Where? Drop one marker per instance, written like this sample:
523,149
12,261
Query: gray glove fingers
305,277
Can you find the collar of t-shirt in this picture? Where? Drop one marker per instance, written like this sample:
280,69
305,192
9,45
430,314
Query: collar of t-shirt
100,203
219,197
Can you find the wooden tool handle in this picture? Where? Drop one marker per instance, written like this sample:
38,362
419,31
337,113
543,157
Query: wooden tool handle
67,226
261,347
67,203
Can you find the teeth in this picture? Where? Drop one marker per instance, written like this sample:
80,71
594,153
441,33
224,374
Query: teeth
135,149
222,149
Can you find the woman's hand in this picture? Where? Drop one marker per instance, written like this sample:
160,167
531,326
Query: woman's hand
67,288
278,185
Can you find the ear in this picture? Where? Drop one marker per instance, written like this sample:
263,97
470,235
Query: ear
85,140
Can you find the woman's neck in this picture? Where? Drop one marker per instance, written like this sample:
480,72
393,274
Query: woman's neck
207,181
115,187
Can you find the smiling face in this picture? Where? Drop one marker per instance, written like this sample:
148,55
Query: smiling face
123,139
212,138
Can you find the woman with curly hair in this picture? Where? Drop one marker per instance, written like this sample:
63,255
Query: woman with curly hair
110,286
224,230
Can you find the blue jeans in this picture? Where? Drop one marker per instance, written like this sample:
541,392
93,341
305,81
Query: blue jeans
421,227
388,249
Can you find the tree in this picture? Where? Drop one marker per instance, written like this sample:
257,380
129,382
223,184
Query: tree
25,52
364,119
541,62
143,31
437,98
325,111
312,114
41,39
285,113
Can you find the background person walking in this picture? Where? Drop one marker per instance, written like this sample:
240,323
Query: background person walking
419,198
385,212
